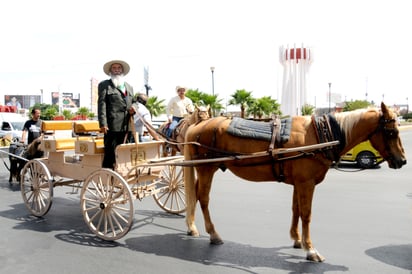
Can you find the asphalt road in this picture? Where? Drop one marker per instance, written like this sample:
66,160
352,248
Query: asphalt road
362,223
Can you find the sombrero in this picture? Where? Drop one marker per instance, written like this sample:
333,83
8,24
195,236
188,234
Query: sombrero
108,65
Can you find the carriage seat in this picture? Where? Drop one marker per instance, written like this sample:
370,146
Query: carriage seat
57,136
86,128
91,145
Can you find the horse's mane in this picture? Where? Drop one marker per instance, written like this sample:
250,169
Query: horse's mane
348,119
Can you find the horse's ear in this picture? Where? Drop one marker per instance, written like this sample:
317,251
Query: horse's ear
384,108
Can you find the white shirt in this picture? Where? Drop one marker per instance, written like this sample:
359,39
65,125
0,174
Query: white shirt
178,107
142,113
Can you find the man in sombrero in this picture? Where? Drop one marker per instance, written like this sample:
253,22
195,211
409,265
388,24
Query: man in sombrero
115,106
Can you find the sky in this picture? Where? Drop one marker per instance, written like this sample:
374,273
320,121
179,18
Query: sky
358,46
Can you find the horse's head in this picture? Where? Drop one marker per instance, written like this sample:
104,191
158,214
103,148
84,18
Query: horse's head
34,150
386,139
200,113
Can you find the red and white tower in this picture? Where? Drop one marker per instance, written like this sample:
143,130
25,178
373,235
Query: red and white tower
296,63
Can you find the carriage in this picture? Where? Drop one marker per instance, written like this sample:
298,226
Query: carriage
302,160
106,195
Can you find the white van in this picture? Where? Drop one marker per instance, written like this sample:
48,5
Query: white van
12,124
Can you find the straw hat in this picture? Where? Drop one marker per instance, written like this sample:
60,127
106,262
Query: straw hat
108,65
180,87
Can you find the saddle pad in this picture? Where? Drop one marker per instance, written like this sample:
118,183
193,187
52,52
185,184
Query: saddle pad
258,130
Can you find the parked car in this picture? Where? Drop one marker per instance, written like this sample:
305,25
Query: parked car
11,124
364,154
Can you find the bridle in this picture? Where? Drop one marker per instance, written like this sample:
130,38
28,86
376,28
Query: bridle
388,133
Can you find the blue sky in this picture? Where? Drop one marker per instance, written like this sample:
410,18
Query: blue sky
359,46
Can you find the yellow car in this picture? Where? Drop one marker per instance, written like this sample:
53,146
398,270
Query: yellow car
364,154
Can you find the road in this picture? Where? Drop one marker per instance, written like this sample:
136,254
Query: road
362,223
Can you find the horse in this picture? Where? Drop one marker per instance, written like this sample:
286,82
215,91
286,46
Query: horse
24,153
174,144
254,160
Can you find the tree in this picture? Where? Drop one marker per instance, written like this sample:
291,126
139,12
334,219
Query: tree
91,115
49,113
196,96
307,109
357,104
83,111
213,102
68,115
243,98
155,106
203,99
265,106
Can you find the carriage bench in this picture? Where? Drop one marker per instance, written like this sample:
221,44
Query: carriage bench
51,142
93,144
86,141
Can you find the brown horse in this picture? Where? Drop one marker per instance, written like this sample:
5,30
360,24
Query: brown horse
175,143
302,169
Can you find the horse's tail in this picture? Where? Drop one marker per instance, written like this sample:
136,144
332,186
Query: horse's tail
190,186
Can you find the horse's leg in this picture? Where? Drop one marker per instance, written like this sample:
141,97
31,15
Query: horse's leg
305,192
205,177
191,200
294,228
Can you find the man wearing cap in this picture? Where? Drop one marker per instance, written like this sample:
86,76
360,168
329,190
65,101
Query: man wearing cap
115,106
178,107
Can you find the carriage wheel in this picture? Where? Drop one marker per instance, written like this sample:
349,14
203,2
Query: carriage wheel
107,205
172,198
36,187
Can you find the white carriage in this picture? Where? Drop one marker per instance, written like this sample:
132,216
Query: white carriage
107,196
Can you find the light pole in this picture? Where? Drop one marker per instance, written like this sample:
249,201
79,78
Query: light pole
212,69
330,84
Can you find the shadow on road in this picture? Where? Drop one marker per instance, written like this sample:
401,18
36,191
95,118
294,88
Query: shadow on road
396,255
230,254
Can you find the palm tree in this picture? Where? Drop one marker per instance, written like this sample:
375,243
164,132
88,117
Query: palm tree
155,106
49,113
243,98
83,112
196,96
68,115
264,106
213,102
307,109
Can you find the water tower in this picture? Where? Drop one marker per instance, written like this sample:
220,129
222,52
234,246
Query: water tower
296,63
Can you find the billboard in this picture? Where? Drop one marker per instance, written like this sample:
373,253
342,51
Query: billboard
22,101
68,100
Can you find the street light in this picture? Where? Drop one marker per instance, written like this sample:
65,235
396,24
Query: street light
212,69
330,84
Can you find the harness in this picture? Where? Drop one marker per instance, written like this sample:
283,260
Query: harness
328,133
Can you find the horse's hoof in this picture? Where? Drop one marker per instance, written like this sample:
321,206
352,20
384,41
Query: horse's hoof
314,256
297,244
216,241
193,233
